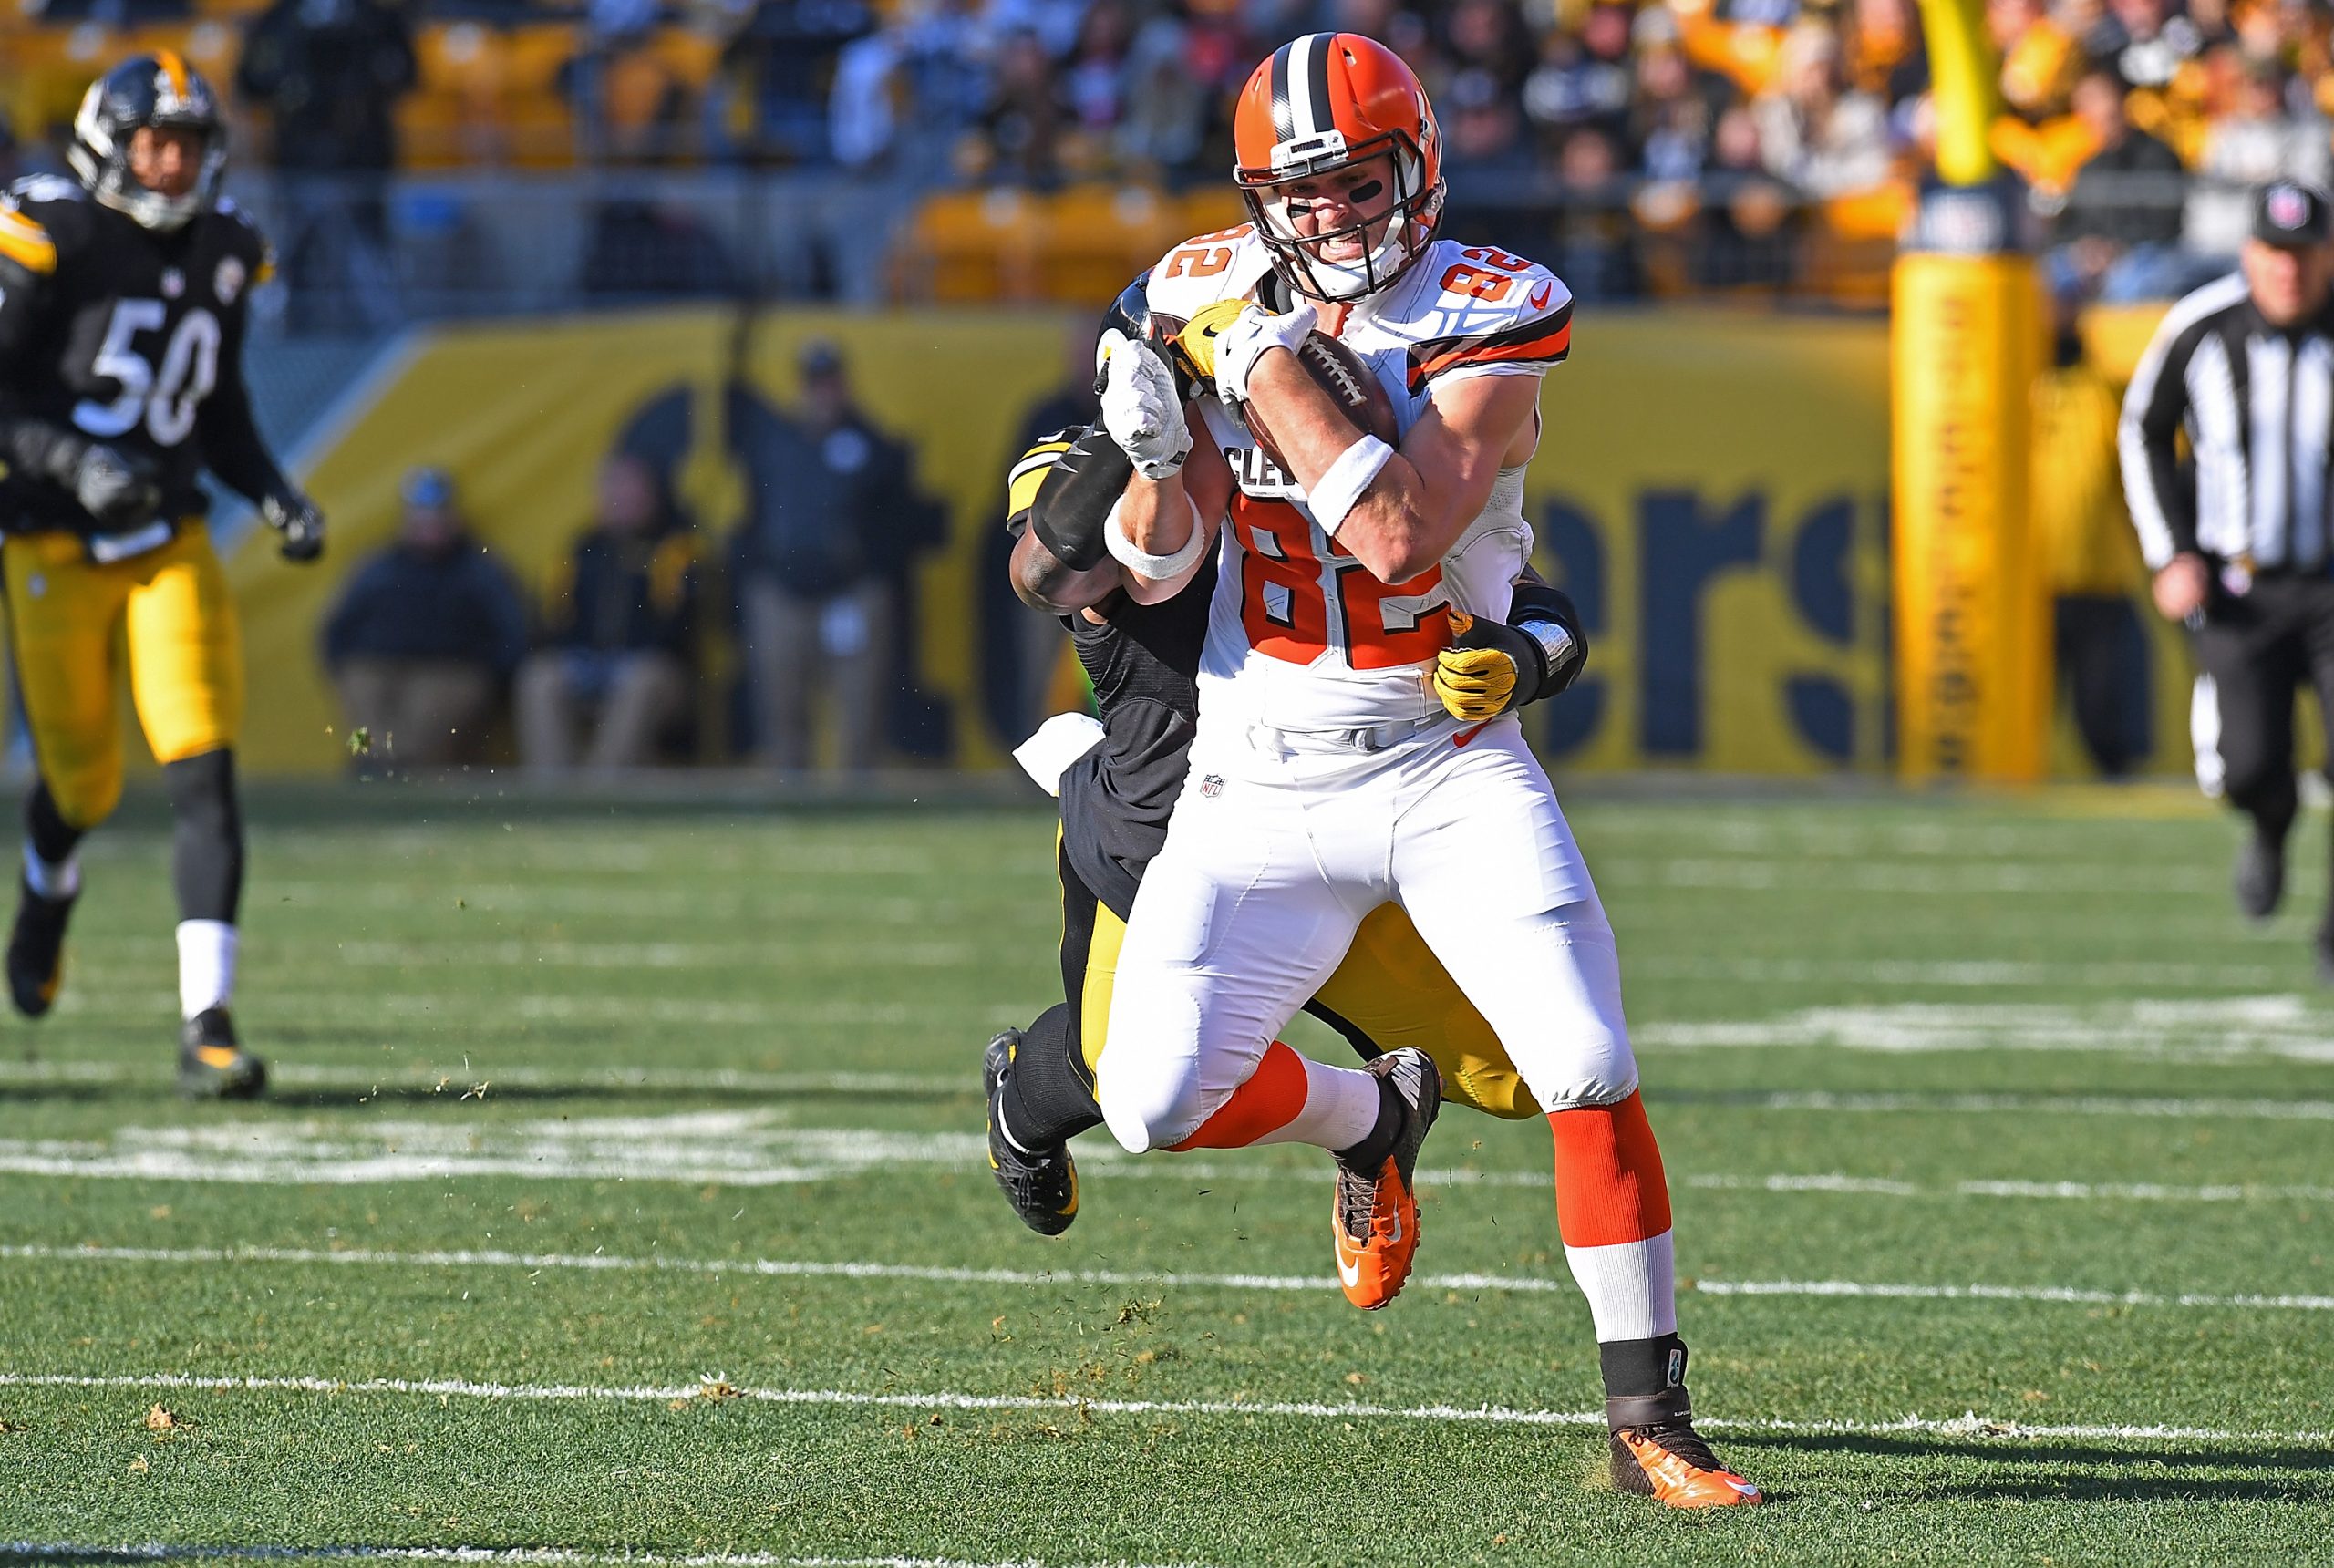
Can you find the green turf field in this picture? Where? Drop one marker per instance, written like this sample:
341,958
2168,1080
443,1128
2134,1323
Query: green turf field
623,1193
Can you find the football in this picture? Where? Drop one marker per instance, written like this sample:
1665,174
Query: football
1338,371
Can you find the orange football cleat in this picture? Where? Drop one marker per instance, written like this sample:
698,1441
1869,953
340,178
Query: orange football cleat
1375,1217
1671,1464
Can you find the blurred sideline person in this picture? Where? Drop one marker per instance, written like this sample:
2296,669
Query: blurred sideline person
611,680
2240,538
1326,779
830,501
122,301
1116,798
426,637
2084,535
329,74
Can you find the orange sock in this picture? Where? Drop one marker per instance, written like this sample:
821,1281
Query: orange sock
1610,1187
1272,1097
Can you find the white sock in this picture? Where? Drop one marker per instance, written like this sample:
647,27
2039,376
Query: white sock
206,964
1631,1286
1340,1107
58,879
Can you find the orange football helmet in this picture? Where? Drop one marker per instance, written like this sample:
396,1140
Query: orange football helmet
1320,103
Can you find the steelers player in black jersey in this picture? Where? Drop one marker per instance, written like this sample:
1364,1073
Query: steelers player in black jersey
1117,798
123,298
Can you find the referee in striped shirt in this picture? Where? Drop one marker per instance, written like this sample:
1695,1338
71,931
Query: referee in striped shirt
2240,530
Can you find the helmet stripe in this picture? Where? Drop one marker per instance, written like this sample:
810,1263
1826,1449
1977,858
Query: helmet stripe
174,69
1282,125
1316,84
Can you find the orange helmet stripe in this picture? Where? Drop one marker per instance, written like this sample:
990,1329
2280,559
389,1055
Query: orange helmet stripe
174,69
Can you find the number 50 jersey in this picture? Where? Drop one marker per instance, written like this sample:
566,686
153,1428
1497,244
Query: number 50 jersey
1301,637
128,337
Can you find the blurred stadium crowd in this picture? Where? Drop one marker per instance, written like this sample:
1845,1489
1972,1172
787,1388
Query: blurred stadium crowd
1043,149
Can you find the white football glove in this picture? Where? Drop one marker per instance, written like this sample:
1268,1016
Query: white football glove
1143,412
1239,346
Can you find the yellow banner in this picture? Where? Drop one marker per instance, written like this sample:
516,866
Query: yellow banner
1712,488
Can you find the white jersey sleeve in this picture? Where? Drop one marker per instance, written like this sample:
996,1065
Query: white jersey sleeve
1479,311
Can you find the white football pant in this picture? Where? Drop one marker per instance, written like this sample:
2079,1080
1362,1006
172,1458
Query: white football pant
1274,858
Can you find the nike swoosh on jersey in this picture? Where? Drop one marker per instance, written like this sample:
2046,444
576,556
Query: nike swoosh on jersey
1469,734
1540,295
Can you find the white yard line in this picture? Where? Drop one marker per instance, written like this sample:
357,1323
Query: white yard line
760,1145
788,1268
1967,1425
1976,973
2213,1029
453,1078
1959,879
169,1552
616,1078
740,956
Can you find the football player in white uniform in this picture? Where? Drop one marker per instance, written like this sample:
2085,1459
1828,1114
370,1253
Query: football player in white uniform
1327,777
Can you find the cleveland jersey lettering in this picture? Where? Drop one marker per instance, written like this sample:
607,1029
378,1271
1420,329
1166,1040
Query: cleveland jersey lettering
1326,644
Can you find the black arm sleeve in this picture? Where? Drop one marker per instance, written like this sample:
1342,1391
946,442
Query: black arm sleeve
1076,499
232,447
1535,600
30,445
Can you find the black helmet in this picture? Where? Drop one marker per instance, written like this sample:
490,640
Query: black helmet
157,89
1129,319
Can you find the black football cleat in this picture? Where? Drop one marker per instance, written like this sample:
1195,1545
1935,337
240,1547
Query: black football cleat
2260,876
37,950
1042,1187
212,1064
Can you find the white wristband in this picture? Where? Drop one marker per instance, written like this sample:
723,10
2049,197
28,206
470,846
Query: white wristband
1158,568
1335,492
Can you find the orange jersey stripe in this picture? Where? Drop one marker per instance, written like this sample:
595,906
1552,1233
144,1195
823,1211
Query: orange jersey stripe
1552,347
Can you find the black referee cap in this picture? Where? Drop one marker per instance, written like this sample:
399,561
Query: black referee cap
2290,214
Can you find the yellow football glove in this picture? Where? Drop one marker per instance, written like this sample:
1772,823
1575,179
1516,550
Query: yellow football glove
1489,668
1197,340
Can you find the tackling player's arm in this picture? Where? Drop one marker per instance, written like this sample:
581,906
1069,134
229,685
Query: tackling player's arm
1060,495
1437,482
234,449
1493,667
116,488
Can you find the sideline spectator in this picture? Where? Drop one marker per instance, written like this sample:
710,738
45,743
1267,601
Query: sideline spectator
426,638
2123,217
616,660
329,73
1815,132
2090,561
832,508
2258,140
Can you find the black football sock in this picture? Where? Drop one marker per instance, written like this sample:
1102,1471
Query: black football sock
207,847
52,837
1645,1381
1047,1100
1370,1153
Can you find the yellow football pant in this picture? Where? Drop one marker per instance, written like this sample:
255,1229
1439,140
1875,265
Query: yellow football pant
70,621
1390,990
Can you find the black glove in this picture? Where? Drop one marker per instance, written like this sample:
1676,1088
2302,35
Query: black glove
295,517
118,490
